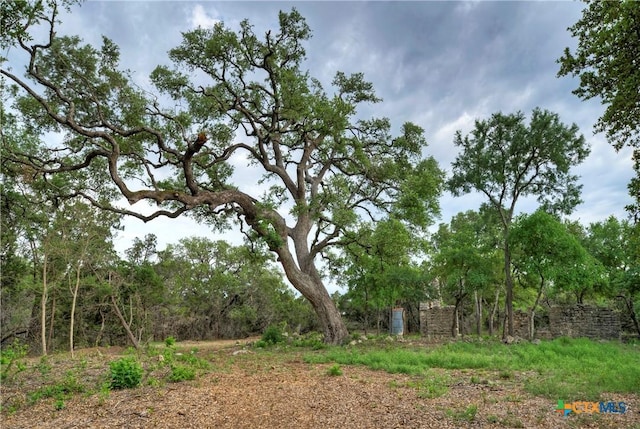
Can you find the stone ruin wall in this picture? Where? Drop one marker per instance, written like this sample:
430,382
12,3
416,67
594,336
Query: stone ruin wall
571,321
436,320
584,321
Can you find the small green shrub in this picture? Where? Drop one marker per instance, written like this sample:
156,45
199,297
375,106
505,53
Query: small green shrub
170,341
506,375
59,404
43,366
193,360
181,373
126,373
272,335
11,360
334,371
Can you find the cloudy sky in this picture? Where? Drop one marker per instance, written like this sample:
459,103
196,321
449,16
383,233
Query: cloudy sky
440,65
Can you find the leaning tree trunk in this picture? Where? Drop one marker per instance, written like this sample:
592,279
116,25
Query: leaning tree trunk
310,285
124,323
334,329
303,275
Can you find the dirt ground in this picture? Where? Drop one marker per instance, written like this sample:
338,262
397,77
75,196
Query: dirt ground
266,390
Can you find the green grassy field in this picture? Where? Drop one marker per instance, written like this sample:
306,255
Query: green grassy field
572,369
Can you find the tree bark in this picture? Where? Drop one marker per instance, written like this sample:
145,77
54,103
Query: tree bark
304,276
532,313
478,311
494,310
43,308
509,287
628,301
124,323
74,299
99,336
455,326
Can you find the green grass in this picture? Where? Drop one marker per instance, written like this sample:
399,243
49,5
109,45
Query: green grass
463,415
571,369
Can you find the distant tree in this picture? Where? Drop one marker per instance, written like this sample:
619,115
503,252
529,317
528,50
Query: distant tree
616,245
547,255
233,95
506,160
378,270
219,290
142,251
607,60
81,240
464,261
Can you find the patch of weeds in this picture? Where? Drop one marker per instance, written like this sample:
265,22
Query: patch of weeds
104,392
505,375
432,386
11,360
511,421
313,340
513,398
613,367
125,373
153,382
334,371
466,415
193,360
44,366
58,404
492,419
61,391
478,380
130,351
170,341
83,363
181,373
11,408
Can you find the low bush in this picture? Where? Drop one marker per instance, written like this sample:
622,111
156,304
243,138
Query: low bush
126,373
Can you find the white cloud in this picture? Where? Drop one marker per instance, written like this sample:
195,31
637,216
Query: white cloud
200,18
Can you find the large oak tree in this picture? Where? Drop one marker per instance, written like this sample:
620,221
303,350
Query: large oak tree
229,95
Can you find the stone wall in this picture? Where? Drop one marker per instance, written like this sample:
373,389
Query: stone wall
584,321
436,320
574,321
520,324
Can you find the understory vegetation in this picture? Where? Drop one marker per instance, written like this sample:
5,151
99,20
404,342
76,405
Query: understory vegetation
572,369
